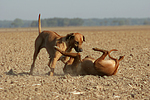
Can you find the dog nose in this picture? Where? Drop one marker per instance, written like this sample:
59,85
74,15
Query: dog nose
80,50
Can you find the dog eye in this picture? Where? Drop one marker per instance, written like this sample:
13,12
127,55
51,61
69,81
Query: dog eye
77,42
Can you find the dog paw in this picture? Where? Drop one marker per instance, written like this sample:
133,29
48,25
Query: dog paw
56,47
95,48
114,50
29,73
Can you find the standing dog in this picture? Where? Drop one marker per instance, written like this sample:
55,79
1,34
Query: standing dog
90,66
49,39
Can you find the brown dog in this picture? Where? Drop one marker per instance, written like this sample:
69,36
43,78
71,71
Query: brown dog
90,66
49,39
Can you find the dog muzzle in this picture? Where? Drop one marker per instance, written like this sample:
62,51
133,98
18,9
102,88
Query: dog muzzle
78,49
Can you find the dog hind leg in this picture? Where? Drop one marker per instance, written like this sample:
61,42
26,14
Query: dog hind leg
105,53
38,46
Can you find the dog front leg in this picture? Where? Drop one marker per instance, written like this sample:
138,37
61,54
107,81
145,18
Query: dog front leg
52,66
105,53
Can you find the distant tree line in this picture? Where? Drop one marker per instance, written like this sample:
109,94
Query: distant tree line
116,21
16,23
60,22
54,22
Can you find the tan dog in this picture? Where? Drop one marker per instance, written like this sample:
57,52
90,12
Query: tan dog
90,66
49,39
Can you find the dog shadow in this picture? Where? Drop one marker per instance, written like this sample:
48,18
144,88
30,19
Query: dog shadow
13,73
61,76
48,73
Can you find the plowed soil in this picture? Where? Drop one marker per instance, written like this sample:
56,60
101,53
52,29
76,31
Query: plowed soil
131,82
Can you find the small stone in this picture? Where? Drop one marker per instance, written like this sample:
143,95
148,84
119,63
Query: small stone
11,82
132,95
36,89
104,77
131,55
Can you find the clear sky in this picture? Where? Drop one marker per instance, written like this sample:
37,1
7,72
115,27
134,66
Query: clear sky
29,9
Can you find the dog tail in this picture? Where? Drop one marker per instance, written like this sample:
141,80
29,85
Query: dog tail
39,24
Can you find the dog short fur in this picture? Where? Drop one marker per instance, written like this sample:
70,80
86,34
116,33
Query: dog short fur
90,66
49,39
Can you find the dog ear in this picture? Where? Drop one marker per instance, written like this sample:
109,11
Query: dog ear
83,38
69,36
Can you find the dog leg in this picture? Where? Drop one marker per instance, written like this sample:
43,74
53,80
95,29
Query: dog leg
97,62
66,53
38,47
120,58
111,56
52,65
117,64
53,59
50,59
33,63
101,50
105,53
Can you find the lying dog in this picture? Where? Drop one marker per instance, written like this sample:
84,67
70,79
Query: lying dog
90,66
49,39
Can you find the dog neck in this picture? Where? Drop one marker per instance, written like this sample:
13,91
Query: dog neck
63,40
69,46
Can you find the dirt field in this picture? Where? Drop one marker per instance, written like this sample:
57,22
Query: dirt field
131,82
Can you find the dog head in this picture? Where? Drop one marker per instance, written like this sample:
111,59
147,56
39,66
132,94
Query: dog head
76,40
